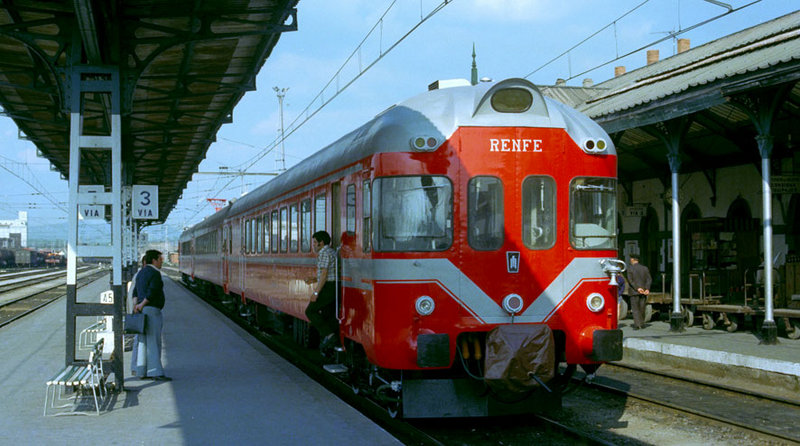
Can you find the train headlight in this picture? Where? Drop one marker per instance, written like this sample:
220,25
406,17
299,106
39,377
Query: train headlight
513,303
595,302
594,146
424,143
425,305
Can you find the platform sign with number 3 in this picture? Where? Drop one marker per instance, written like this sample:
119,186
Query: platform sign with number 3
145,202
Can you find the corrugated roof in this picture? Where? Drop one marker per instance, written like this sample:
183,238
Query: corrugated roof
757,48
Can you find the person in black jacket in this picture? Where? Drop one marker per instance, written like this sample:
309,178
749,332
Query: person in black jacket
639,281
149,291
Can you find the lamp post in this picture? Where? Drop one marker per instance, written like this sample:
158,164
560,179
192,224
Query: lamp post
282,160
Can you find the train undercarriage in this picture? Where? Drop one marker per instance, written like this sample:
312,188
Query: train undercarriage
461,390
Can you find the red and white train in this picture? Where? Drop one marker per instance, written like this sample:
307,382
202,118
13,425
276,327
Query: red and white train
476,229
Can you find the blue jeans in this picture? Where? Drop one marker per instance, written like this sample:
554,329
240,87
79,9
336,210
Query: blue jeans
148,357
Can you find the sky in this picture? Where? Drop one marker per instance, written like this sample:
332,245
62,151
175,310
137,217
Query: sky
512,38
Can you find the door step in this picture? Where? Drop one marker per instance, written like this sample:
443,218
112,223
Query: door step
335,368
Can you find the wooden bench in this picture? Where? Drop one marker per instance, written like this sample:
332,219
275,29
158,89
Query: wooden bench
77,380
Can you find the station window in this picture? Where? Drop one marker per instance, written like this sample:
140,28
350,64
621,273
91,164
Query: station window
284,229
593,213
305,225
350,197
294,227
413,213
485,213
275,231
319,213
366,211
539,212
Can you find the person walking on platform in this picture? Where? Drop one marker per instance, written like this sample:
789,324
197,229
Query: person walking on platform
639,281
321,311
150,293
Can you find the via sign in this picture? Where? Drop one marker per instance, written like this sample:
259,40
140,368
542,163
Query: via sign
91,212
145,202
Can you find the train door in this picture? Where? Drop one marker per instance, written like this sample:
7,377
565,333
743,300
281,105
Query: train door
226,252
336,224
242,257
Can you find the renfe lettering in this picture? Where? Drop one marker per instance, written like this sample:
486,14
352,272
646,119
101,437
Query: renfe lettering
515,145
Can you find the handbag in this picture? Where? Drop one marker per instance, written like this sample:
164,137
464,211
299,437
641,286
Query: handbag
134,323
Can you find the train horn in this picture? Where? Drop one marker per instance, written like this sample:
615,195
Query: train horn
612,267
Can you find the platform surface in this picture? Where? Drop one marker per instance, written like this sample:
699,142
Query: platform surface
738,358
227,388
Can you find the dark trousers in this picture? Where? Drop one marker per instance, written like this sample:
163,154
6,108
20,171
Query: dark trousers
638,304
322,312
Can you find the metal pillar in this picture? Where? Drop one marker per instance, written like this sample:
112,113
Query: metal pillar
671,133
769,329
103,80
761,107
676,319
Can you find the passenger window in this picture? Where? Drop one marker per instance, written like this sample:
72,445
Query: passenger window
413,213
284,229
248,237
539,212
275,231
593,213
485,213
305,225
294,227
351,208
259,236
366,204
266,233
319,213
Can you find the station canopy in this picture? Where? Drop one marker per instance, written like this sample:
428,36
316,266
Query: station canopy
183,64
710,88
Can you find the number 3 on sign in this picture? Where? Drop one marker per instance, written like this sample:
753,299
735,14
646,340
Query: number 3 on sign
145,202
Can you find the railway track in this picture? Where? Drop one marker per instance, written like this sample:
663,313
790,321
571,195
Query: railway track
775,417
39,296
612,408
545,429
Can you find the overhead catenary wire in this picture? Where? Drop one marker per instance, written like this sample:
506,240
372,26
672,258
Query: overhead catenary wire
670,35
309,112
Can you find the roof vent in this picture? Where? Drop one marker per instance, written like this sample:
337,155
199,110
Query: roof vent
588,82
448,83
561,82
486,79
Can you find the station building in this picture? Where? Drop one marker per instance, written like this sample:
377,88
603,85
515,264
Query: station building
14,233
718,123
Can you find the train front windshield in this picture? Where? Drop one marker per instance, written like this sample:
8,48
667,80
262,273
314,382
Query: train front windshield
414,213
593,213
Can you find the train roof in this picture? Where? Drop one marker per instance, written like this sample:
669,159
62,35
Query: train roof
433,114
212,221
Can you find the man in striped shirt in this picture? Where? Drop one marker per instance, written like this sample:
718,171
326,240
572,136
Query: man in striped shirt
321,311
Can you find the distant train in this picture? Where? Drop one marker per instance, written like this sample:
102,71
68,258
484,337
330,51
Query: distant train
28,257
476,232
